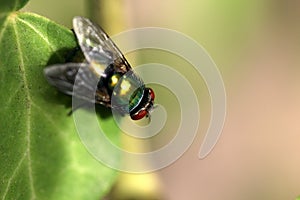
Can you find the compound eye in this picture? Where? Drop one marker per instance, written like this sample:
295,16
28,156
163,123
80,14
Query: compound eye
152,95
141,114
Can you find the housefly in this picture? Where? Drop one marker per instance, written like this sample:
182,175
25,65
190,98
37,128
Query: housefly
105,77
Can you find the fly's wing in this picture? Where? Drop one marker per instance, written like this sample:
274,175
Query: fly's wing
77,79
97,47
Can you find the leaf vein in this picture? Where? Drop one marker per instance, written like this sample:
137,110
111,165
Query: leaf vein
47,117
3,28
51,47
13,175
28,108
16,5
10,98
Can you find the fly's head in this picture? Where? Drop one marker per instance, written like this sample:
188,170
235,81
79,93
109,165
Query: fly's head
145,104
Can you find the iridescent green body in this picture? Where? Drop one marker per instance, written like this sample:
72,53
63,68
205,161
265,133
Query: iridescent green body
136,97
126,90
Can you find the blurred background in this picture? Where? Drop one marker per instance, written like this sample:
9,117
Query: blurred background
256,46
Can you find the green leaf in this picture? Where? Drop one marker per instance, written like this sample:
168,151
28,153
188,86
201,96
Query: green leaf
11,5
41,156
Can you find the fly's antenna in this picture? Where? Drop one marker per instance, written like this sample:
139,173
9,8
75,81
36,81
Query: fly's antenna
148,116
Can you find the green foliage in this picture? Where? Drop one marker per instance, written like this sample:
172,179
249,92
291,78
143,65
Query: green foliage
11,5
41,156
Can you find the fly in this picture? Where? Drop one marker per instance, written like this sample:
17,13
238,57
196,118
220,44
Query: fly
106,69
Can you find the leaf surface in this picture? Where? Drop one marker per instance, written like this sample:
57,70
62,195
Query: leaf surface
41,156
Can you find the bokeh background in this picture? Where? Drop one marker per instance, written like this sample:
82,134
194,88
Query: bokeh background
256,46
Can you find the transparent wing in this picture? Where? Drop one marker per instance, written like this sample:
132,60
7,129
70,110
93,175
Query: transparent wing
96,44
77,79
63,76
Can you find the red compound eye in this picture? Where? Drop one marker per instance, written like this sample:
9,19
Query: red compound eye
139,115
152,95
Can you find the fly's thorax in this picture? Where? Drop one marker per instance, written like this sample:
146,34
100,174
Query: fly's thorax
127,91
113,80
